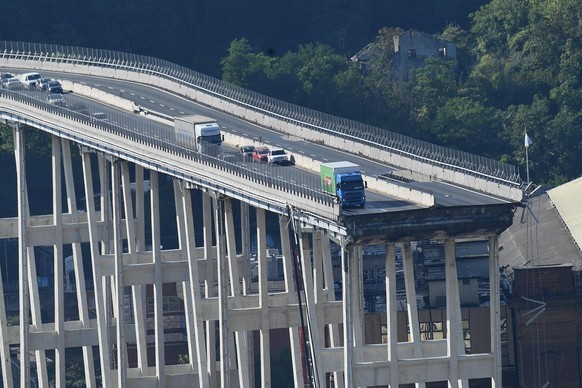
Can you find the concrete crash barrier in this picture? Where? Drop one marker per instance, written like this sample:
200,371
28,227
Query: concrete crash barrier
99,95
375,184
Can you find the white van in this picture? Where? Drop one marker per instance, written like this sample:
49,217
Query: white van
29,79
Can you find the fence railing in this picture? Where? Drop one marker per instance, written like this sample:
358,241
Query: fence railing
284,180
444,157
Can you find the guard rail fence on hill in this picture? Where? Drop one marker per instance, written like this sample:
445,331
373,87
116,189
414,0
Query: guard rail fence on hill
419,151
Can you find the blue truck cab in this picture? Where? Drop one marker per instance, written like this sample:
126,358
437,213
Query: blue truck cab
344,181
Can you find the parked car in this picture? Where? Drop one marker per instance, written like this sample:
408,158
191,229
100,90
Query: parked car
278,156
12,84
42,82
260,154
54,87
247,150
56,99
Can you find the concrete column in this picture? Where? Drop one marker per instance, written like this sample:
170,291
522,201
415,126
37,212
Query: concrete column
333,329
263,299
27,263
357,290
183,240
454,319
495,309
247,277
104,349
36,314
235,292
140,208
198,342
23,295
58,258
319,294
137,291
311,311
245,235
83,307
392,314
157,286
291,291
119,282
106,217
5,358
412,307
347,315
209,253
219,215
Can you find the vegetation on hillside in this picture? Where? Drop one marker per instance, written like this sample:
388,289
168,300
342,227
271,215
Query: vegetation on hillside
519,64
196,34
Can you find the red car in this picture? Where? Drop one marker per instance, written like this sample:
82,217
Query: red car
260,154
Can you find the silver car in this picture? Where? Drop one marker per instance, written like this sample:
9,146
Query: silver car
12,84
55,99
5,76
42,82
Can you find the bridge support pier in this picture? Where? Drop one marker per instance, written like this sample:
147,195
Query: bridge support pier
174,284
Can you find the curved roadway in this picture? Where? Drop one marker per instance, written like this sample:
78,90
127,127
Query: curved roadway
170,104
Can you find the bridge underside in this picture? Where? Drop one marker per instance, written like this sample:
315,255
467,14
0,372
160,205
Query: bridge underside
431,223
99,279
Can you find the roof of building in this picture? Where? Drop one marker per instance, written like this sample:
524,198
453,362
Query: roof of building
541,234
566,199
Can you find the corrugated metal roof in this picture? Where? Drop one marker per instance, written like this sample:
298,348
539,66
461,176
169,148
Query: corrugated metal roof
567,199
538,237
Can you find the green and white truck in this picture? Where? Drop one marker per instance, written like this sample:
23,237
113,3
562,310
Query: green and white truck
344,181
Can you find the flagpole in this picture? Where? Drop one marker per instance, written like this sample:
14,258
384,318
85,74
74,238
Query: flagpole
527,142
527,165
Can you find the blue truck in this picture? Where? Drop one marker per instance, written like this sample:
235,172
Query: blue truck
344,181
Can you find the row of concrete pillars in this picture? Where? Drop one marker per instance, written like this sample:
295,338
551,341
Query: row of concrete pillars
223,306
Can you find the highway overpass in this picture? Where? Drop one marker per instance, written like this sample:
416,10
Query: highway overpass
421,192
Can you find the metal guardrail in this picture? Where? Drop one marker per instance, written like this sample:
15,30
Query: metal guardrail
160,137
373,136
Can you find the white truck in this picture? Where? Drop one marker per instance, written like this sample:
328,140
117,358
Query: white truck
199,132
29,79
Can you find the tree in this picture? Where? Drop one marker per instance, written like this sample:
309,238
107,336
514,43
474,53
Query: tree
428,88
535,119
468,125
243,67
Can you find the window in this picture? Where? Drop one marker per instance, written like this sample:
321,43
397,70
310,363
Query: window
467,336
443,52
169,304
431,331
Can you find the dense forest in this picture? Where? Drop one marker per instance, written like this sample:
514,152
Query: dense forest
519,62
518,69
197,33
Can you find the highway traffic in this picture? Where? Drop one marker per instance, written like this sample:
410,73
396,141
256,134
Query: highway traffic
169,104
